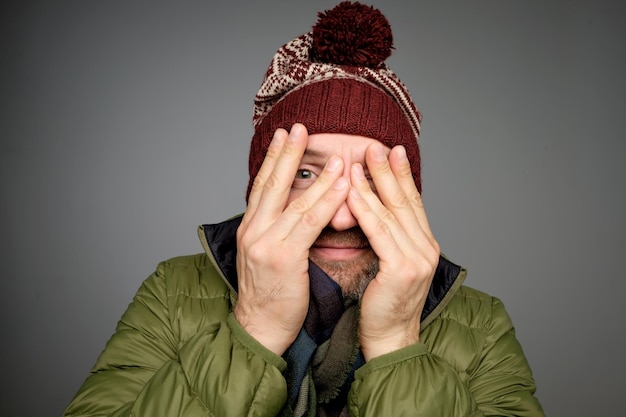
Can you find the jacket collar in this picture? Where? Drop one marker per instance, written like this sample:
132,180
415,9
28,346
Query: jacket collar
220,243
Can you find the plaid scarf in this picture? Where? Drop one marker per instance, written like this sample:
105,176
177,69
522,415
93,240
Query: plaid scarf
322,360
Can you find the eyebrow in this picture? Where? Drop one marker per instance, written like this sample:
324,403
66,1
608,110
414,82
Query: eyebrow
314,154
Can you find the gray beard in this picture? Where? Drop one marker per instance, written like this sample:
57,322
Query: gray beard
353,282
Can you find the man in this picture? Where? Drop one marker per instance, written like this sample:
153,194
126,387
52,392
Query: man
329,295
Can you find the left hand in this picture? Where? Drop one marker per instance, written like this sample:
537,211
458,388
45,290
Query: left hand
395,223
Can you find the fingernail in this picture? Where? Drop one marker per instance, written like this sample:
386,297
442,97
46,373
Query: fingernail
357,169
295,131
379,152
333,164
402,153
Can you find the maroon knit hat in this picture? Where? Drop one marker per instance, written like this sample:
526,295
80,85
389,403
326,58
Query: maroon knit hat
334,80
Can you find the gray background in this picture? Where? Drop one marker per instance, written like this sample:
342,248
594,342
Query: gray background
125,124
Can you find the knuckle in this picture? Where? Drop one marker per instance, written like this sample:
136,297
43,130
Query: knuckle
272,182
244,239
328,198
290,149
416,198
364,188
383,169
410,271
386,216
299,205
273,151
382,228
404,170
256,249
310,219
255,253
258,182
400,200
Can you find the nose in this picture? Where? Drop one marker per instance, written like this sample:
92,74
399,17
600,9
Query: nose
343,219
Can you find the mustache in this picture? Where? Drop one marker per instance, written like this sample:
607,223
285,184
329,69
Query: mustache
353,237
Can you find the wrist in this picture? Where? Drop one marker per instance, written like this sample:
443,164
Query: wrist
252,345
374,348
275,340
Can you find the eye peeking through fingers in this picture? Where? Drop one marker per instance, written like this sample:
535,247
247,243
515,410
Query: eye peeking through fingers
304,174
304,178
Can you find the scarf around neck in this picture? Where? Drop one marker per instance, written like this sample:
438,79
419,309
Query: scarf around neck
322,360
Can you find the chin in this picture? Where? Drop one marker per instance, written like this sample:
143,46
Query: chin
352,276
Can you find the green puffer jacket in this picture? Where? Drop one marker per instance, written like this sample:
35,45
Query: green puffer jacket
178,351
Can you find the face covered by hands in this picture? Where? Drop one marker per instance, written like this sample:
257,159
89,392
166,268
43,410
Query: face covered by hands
350,205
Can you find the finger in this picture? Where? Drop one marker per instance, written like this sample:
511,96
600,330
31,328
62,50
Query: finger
277,184
382,226
401,168
269,162
385,234
403,253
390,192
306,216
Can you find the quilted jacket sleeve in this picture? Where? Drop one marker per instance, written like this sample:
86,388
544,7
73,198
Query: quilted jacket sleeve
415,382
145,370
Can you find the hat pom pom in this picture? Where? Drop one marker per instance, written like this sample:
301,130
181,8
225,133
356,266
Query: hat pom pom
352,34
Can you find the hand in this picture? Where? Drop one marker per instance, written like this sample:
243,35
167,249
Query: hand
396,225
274,238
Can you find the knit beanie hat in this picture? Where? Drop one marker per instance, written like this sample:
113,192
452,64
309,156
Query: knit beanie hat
334,80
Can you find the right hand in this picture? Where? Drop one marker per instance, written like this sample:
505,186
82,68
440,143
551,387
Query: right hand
274,238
